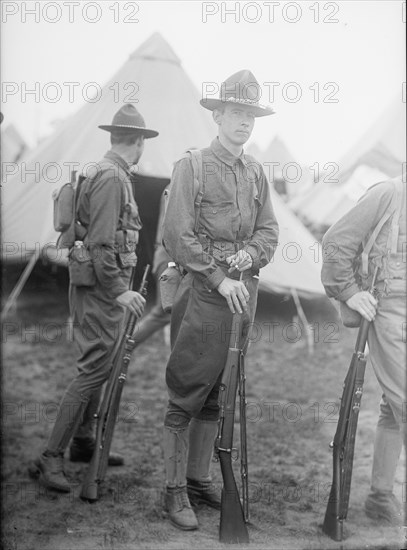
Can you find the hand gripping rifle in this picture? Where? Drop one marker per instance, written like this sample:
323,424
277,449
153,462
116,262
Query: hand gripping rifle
109,407
343,444
233,527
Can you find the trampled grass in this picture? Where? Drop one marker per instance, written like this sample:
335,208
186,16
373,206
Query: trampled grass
293,403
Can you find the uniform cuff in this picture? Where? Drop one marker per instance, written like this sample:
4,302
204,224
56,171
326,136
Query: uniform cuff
214,280
348,293
252,250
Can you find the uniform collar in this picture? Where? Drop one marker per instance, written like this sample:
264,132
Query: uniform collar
224,155
117,159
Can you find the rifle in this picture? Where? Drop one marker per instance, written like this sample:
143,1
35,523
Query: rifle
109,407
243,439
233,527
343,444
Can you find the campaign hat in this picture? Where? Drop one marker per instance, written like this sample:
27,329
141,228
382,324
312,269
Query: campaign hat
240,88
128,120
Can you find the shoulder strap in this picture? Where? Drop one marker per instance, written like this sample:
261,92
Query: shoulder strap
81,179
395,224
394,207
196,160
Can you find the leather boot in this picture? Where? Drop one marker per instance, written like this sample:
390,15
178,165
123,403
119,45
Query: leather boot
381,503
177,504
383,506
201,490
81,450
49,470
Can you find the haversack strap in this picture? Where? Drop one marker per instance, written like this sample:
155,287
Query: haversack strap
196,160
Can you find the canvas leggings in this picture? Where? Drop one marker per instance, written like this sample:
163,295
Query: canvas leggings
201,326
97,324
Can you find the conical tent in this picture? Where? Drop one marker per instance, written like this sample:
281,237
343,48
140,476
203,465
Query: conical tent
277,151
378,155
169,102
156,83
284,165
297,260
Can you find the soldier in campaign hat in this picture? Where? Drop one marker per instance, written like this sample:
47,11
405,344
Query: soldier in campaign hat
107,226
237,234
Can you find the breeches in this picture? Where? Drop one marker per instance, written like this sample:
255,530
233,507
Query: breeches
97,323
201,328
388,355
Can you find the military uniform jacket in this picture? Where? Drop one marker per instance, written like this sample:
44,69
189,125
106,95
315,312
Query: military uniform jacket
235,213
106,208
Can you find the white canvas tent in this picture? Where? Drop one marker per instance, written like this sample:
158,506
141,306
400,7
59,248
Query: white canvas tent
378,155
287,168
297,260
169,103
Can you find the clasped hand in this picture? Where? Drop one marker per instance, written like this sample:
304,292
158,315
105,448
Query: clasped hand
133,301
236,294
364,303
240,261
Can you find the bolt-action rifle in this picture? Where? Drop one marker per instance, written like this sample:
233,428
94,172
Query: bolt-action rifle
233,527
243,439
109,408
343,445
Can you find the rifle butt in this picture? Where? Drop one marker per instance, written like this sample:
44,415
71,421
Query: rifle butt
90,491
91,483
232,529
333,526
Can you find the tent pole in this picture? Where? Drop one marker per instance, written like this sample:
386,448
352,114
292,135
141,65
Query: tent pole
301,315
19,286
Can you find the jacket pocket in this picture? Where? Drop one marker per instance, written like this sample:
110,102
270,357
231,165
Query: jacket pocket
216,219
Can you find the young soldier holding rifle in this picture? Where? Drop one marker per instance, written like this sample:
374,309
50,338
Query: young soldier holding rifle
107,223
236,234
377,226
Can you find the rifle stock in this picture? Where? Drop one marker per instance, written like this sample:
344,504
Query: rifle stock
343,445
232,521
109,407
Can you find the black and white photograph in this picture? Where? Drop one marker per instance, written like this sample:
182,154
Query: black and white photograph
203,285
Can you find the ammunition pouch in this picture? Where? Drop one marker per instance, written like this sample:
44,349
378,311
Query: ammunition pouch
125,247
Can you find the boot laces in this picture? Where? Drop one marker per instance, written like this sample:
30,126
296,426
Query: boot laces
58,464
184,500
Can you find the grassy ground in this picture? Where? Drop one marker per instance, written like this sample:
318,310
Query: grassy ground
292,413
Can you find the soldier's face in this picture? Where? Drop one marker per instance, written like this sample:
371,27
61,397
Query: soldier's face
235,123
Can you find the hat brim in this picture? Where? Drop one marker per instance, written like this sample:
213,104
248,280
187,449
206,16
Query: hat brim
124,129
259,110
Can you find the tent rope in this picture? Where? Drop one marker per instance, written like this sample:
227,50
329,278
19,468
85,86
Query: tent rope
19,286
304,320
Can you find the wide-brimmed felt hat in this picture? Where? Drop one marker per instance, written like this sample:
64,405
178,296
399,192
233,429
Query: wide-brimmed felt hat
128,120
241,88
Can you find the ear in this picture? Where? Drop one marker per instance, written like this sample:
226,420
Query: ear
217,116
